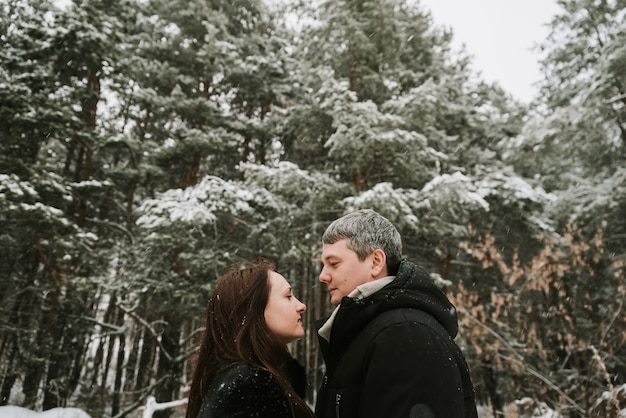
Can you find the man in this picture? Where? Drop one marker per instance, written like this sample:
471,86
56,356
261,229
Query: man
388,345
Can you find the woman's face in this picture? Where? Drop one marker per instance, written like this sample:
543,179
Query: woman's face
283,312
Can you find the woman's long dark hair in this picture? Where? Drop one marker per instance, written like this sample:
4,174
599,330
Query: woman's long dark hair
236,332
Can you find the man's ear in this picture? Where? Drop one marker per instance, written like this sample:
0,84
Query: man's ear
379,264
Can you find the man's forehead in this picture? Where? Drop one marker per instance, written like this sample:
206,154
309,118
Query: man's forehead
335,250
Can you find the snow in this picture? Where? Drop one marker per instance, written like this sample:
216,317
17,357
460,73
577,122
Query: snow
19,412
12,183
458,185
537,409
152,406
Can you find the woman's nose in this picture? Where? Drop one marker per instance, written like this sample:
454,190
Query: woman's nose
301,307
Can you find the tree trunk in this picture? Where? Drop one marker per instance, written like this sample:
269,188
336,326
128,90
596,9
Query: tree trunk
190,177
119,369
169,367
491,385
84,165
109,355
146,360
132,366
10,375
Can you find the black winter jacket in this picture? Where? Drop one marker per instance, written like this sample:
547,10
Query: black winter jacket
241,391
392,354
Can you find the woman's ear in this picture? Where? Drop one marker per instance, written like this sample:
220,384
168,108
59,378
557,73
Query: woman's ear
379,264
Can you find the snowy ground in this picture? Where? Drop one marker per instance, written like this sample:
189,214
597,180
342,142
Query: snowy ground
19,412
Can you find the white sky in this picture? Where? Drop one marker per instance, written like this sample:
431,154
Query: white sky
500,35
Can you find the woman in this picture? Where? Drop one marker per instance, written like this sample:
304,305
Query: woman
244,368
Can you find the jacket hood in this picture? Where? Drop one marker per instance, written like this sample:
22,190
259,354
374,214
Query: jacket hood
412,288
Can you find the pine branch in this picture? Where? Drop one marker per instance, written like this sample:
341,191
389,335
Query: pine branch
519,359
149,327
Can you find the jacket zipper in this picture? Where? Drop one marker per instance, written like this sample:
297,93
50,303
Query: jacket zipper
337,400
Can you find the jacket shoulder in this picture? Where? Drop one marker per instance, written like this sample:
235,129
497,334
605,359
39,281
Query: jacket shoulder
244,391
405,316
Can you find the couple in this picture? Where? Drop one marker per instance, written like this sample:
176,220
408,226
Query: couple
388,345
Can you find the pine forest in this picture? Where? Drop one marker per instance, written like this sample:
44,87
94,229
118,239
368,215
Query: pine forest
146,145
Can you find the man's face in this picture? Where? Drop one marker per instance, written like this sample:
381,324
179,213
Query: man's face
342,271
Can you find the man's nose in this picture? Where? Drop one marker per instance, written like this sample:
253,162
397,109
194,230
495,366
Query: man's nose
324,277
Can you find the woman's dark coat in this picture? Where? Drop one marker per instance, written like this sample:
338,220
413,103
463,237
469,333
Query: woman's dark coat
239,390
392,354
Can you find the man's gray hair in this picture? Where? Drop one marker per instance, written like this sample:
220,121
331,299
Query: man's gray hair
366,232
